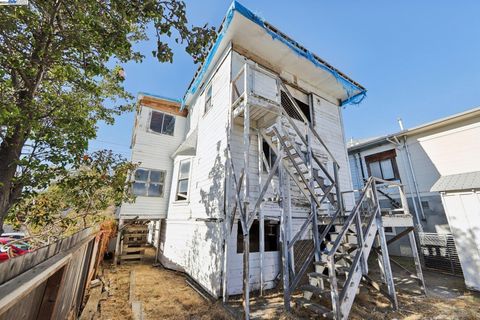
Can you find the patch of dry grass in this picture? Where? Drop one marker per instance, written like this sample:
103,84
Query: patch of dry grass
164,295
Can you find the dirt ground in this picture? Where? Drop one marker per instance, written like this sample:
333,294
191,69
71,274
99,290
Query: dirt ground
165,295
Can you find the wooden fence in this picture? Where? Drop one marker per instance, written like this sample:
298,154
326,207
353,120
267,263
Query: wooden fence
51,282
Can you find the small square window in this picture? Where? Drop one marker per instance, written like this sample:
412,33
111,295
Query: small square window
148,183
162,123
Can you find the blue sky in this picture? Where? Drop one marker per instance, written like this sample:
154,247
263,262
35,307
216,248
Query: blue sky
419,60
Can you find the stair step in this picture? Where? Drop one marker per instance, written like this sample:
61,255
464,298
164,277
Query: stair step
317,275
315,290
315,307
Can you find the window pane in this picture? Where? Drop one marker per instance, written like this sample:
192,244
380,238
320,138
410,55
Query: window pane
375,169
156,122
184,169
141,175
155,190
387,169
168,124
157,176
139,189
183,187
208,99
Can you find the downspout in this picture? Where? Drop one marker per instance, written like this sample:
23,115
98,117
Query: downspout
360,162
414,177
398,145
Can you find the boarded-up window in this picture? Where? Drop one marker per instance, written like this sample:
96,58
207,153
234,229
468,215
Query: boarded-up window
183,176
383,165
162,123
149,183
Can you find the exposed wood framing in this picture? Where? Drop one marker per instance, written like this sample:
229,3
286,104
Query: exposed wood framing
163,105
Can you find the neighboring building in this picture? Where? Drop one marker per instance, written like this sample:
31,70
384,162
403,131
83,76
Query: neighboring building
435,161
248,163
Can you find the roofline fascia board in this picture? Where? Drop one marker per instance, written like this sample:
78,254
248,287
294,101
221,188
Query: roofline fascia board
347,83
142,94
465,115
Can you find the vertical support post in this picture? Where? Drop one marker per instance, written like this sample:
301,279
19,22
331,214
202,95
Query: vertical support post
246,199
337,189
360,241
227,227
386,260
260,213
118,245
283,227
416,257
313,204
157,240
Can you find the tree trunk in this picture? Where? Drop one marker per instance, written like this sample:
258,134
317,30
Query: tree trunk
10,151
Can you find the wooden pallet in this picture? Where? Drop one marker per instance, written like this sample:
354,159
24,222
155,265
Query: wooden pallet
134,241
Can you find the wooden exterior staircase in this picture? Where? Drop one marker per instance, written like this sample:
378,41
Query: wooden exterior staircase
333,242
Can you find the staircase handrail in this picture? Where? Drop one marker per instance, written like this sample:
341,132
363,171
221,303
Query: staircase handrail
351,216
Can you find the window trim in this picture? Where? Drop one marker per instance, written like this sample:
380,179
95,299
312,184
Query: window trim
147,182
161,133
390,233
381,156
210,106
187,199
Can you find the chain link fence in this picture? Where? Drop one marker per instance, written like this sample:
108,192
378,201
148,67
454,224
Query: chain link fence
439,252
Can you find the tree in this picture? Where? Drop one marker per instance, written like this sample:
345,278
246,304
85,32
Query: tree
79,198
59,64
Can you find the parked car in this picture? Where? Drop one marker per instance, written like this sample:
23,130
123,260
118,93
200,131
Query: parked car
10,247
14,235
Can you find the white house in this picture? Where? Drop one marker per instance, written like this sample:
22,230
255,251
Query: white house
438,164
245,176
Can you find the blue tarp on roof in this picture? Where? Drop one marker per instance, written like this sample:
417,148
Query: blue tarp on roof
355,94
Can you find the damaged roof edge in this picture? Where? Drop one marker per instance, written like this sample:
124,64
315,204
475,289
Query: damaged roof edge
346,82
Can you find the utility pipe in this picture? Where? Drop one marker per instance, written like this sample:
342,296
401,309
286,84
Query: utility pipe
398,145
414,177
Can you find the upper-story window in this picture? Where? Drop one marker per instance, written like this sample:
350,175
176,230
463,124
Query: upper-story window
291,110
208,98
162,123
183,176
149,183
383,165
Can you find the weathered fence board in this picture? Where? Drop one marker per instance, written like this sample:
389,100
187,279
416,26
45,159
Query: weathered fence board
51,282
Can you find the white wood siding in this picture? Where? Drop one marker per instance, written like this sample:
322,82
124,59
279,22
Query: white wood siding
463,212
188,242
454,151
329,125
153,151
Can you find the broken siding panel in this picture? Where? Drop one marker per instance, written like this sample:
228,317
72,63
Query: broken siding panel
153,151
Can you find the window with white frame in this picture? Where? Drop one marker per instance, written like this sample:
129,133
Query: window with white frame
208,98
162,123
183,177
149,183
